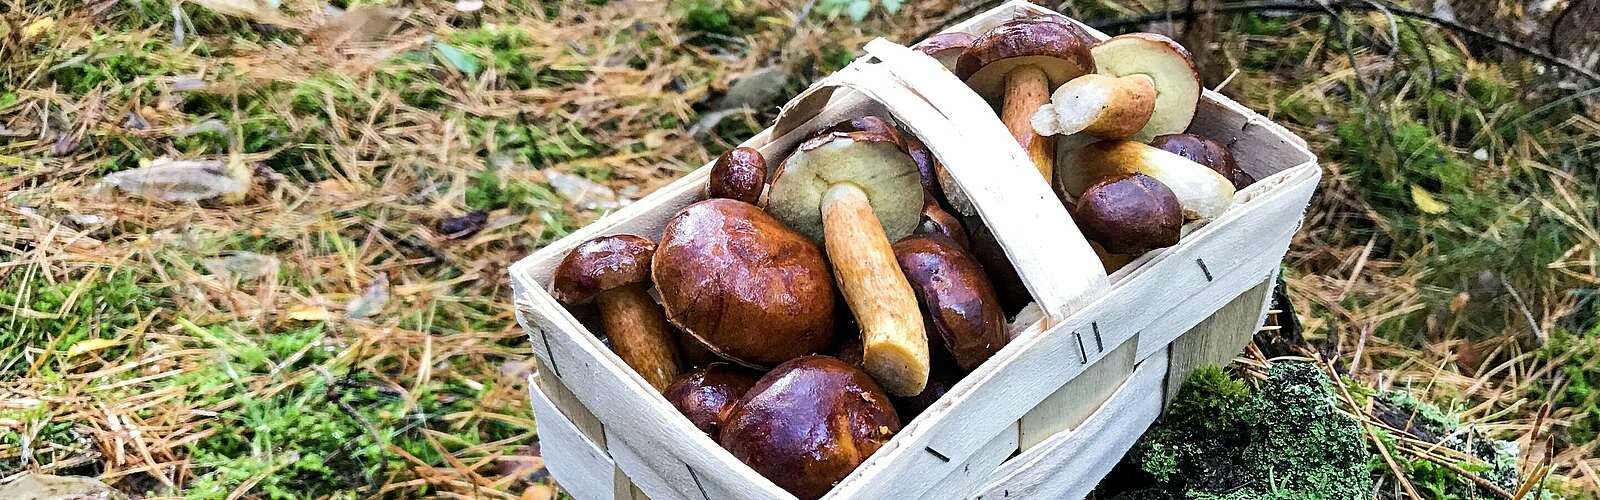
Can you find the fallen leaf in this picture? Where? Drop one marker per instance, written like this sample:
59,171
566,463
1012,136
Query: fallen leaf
362,23
89,345
370,302
241,265
308,312
458,59
255,10
469,5
463,226
35,486
1426,202
181,180
37,28
584,193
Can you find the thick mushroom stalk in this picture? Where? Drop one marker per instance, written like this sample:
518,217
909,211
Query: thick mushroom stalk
856,192
615,271
1144,85
1017,64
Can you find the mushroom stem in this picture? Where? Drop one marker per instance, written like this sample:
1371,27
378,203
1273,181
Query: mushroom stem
639,333
895,346
1111,107
1028,88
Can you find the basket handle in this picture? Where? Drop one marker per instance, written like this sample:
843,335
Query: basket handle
1056,263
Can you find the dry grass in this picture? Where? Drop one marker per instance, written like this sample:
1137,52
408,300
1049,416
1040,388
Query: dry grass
129,358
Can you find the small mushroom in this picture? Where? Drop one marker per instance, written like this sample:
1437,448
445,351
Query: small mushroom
615,271
808,423
1205,152
1202,192
1144,85
1130,214
945,47
706,395
957,299
856,192
750,289
739,174
1017,64
937,221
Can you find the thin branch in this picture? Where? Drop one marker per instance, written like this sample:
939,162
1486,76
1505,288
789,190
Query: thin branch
1293,6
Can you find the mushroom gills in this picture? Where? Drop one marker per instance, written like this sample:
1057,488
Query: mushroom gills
880,169
1170,68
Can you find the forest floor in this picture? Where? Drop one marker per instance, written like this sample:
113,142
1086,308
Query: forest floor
340,323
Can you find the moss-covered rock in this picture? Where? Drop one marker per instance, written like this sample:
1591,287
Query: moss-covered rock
1223,440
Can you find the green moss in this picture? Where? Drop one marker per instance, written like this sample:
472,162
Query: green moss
1284,439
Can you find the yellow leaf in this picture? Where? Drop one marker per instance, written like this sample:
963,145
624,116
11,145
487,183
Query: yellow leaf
309,313
37,27
1426,202
89,346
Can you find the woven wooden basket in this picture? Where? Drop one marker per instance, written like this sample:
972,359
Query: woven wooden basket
1049,415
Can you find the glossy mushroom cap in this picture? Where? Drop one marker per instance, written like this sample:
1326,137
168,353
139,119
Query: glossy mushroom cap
957,299
1205,152
739,174
871,160
752,290
808,423
602,264
1170,68
1055,45
707,395
945,47
1130,214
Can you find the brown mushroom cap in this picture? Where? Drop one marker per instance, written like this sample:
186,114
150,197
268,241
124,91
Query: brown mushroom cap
738,174
707,395
1055,45
1205,152
1130,214
808,423
871,160
945,47
752,290
957,299
601,264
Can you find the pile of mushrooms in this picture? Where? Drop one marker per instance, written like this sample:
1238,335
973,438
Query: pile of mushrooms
1104,122
743,335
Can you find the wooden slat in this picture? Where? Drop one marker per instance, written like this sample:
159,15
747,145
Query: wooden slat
643,481
1218,339
1078,399
1070,464
579,466
567,403
965,480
